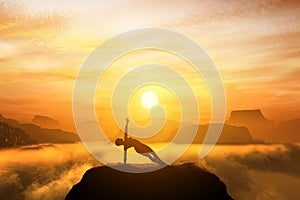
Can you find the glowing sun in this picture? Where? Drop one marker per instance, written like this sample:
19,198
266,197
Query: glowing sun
149,99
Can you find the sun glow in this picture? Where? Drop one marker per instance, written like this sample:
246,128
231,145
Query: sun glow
149,99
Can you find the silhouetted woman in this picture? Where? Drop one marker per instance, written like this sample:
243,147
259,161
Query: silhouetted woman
138,147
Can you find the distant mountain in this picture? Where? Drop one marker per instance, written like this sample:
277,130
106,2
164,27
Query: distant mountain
254,120
292,126
229,135
43,135
185,181
246,117
11,122
262,128
13,137
289,131
45,122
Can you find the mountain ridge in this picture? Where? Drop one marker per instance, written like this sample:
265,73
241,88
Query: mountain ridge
42,135
45,122
264,129
14,137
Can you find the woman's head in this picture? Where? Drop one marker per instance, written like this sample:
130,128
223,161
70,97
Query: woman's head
119,142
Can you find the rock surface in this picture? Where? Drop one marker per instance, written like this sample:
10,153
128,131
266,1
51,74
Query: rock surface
185,181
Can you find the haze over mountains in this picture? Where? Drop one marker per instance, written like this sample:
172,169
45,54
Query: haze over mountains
13,137
229,135
31,132
264,129
242,127
45,122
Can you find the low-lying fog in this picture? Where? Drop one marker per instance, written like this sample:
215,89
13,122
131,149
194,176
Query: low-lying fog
249,171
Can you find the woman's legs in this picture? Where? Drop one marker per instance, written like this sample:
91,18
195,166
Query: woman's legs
154,158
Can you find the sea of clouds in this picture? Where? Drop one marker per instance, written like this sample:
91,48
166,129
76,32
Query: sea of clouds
249,171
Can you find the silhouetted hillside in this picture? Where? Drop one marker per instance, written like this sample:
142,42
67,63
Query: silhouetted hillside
289,131
246,117
291,125
173,182
13,137
45,122
264,129
229,135
11,122
42,135
254,120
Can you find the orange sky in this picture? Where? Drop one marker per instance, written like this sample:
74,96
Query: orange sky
254,45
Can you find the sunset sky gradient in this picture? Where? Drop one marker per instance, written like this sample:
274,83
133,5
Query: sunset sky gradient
255,45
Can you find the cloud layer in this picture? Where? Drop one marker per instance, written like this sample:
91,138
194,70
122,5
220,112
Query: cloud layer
250,172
